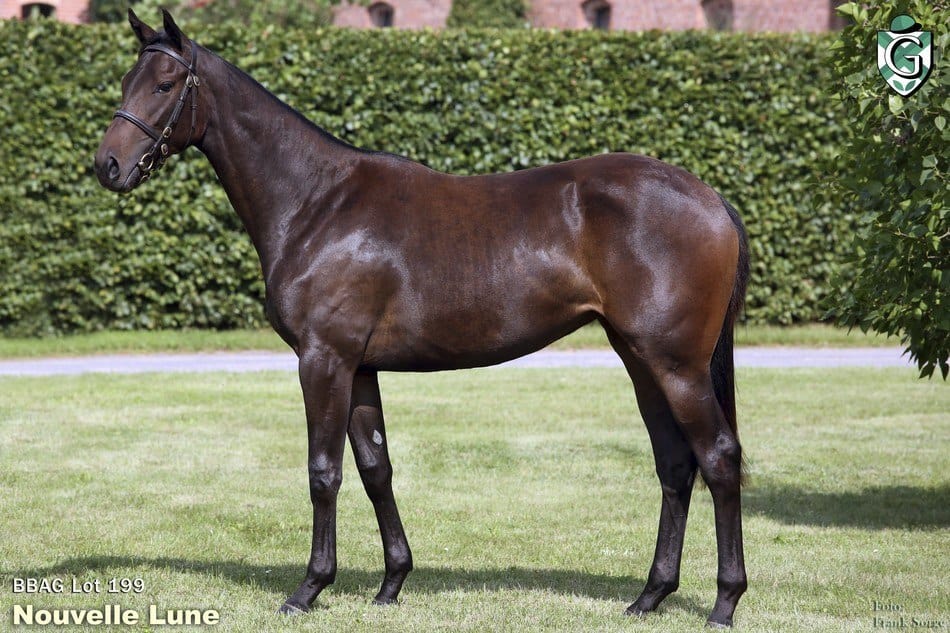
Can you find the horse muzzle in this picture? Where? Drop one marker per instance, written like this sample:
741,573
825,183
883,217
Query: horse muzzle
113,175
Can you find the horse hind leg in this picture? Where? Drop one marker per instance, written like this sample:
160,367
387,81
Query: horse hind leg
676,469
689,390
368,439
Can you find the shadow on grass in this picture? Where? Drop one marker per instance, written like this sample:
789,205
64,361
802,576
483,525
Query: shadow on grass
875,507
283,579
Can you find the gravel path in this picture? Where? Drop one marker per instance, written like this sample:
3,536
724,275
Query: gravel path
266,361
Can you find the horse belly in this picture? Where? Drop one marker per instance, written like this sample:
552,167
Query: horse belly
457,326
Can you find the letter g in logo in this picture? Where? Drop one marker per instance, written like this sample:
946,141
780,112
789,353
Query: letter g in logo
893,54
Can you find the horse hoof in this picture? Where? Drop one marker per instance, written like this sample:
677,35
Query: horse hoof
384,602
725,624
635,611
291,609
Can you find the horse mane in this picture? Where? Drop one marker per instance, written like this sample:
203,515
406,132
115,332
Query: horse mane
162,38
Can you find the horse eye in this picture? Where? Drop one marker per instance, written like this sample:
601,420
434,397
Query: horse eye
164,86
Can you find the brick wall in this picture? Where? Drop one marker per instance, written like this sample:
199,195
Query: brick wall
640,15
408,14
628,15
631,15
66,10
789,15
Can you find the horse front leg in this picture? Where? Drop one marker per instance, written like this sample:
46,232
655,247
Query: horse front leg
327,382
368,439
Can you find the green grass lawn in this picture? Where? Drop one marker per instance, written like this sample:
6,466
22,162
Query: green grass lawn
528,496
590,336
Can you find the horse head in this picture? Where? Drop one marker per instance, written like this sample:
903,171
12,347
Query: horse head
149,127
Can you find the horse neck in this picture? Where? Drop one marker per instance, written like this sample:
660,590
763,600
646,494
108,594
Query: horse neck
272,163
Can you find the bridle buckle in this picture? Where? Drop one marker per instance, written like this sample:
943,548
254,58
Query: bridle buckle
146,163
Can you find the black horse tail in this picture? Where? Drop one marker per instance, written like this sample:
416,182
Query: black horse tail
722,366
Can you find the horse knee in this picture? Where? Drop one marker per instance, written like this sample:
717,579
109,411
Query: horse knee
325,480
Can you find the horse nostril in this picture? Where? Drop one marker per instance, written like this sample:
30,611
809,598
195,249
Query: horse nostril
113,168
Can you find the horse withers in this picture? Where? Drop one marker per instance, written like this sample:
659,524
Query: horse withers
373,262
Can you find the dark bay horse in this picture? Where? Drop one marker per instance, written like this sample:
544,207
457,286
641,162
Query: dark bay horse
373,262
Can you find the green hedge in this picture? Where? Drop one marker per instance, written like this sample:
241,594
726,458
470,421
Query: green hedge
500,14
748,114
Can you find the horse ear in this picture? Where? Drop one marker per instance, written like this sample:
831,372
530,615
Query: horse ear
172,32
143,31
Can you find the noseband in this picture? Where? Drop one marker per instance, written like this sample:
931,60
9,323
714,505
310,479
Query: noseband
155,157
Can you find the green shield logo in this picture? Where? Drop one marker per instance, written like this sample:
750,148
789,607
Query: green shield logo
905,55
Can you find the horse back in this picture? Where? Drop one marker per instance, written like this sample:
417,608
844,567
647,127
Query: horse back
438,271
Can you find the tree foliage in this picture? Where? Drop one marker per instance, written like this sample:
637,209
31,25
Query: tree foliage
894,169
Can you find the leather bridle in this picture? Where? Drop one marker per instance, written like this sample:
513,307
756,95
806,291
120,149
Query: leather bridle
155,157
